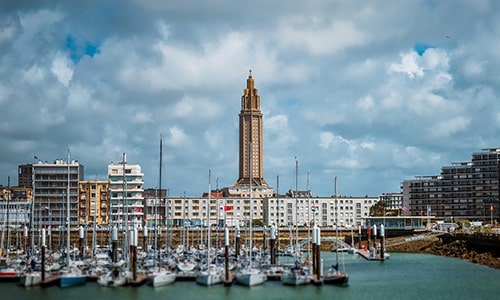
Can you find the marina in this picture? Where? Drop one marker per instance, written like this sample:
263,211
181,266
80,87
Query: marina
416,276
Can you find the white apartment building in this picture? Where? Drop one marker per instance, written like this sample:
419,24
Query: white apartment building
343,211
126,195
283,211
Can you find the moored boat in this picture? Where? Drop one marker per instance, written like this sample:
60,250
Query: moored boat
334,276
250,276
72,276
162,277
113,278
296,275
32,278
211,275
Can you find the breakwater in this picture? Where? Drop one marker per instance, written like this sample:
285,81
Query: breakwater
477,248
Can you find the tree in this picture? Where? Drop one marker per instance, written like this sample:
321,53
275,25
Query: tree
258,222
378,209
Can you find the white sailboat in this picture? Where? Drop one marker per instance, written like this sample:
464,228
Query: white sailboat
32,277
120,273
298,274
210,274
333,275
71,274
250,275
160,276
114,278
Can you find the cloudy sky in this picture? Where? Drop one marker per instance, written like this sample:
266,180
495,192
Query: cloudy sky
373,92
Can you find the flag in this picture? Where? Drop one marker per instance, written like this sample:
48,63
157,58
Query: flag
35,157
137,209
403,208
227,207
314,207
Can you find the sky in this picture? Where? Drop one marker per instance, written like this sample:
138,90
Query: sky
371,92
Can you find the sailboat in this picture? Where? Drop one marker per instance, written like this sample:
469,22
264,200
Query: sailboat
210,274
250,275
114,278
160,276
71,274
120,273
298,274
332,274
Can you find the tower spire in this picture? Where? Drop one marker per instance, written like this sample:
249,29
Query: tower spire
251,137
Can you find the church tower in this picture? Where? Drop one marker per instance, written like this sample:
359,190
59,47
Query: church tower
251,146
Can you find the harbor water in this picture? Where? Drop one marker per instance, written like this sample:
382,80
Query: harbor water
403,276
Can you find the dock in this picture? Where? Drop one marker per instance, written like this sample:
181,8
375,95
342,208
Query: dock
373,256
139,280
50,281
186,276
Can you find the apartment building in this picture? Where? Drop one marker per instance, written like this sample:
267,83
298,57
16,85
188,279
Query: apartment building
55,190
94,202
463,190
126,195
342,211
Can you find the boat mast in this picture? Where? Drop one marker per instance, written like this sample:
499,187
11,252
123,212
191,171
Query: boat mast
250,198
68,238
156,203
278,214
336,225
125,211
296,208
208,217
309,211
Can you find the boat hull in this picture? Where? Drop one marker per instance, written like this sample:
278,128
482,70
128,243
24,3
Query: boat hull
162,279
31,279
336,279
72,280
251,278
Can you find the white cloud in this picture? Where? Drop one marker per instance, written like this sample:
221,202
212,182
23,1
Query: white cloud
449,127
62,68
34,75
341,87
318,36
366,103
6,33
177,138
409,65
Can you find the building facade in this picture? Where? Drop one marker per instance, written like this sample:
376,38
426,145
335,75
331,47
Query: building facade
464,190
55,190
126,201
154,207
15,206
94,202
288,210
394,204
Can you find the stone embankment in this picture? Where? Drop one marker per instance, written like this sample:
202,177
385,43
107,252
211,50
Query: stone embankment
456,248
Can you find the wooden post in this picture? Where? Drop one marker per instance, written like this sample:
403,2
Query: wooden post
227,280
318,253
382,236
43,255
114,243
81,236
272,234
237,246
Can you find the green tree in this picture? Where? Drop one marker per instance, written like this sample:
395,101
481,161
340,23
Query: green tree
258,222
378,209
